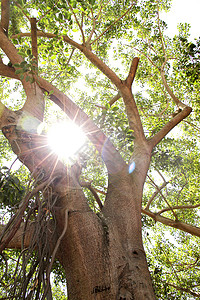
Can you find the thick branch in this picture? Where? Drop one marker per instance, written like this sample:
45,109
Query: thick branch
89,54
34,104
5,14
175,224
9,48
16,241
169,126
132,72
34,39
8,71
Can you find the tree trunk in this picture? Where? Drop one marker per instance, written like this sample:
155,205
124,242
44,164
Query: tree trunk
99,262
102,254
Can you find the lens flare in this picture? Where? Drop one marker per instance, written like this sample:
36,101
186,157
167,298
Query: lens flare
131,167
66,139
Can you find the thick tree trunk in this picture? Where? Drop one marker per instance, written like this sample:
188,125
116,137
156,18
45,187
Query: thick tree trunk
103,254
99,263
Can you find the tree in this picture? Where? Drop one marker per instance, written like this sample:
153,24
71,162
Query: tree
101,249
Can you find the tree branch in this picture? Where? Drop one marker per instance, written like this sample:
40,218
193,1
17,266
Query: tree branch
132,72
178,207
175,224
7,71
16,241
93,191
77,22
34,39
155,194
126,12
169,126
159,191
184,290
5,15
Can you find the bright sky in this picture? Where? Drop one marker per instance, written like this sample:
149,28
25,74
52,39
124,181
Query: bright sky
184,11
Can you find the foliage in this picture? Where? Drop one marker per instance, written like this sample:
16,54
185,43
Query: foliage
124,29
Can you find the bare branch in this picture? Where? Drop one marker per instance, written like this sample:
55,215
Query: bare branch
184,290
8,71
169,126
158,189
147,57
5,15
34,39
160,32
132,72
93,28
178,207
72,52
155,194
175,224
77,22
93,191
9,49
168,89
115,98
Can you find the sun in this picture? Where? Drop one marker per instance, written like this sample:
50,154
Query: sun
66,139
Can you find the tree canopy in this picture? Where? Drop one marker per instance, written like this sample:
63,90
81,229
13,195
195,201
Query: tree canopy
87,49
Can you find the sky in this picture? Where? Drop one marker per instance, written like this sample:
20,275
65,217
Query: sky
183,11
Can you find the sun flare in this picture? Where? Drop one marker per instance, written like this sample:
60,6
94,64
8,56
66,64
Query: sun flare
66,139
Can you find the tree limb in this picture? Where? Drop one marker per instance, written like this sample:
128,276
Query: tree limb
178,207
155,194
126,12
16,241
175,224
7,71
34,39
5,15
159,191
132,72
93,191
169,126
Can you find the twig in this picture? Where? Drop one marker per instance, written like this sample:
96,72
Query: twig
160,32
77,22
18,5
155,194
73,49
111,25
163,197
178,207
184,290
47,12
